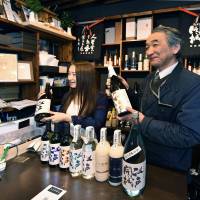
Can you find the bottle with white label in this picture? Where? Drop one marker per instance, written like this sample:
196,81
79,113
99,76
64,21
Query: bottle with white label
133,61
54,147
140,63
43,104
102,157
134,162
66,140
75,153
44,152
118,93
146,63
115,160
89,147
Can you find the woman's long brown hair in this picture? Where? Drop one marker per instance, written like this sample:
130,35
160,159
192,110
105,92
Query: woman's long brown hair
85,91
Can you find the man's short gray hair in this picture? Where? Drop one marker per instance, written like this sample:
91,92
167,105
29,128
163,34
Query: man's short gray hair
173,36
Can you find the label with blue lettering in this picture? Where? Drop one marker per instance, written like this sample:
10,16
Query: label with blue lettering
54,157
115,170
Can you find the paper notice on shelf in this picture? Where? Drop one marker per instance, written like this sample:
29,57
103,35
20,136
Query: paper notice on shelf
50,193
22,104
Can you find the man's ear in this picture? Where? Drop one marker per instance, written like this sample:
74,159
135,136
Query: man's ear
176,48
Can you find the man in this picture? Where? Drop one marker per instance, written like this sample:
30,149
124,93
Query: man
169,111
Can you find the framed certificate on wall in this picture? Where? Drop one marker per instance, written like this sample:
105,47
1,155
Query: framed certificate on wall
144,27
8,67
25,71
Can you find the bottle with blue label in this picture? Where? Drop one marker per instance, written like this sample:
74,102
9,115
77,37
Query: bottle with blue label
54,147
89,148
115,157
75,153
134,162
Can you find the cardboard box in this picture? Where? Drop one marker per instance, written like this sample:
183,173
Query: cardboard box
110,35
118,32
130,28
144,27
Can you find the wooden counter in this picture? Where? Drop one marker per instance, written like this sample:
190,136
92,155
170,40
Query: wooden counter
25,177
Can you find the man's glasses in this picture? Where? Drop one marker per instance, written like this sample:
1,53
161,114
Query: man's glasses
158,95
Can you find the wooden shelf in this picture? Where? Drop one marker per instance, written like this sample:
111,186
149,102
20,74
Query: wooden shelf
135,71
50,30
111,44
15,49
132,41
50,69
105,67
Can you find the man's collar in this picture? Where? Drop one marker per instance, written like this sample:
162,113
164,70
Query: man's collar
167,71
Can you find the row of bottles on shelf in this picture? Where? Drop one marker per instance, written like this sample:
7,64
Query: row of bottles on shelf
130,63
192,64
141,63
111,59
86,157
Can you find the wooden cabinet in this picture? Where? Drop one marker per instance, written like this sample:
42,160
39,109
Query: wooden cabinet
30,89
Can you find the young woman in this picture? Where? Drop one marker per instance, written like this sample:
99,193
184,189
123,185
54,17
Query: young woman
83,104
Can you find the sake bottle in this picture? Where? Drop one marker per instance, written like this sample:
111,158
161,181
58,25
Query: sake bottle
102,157
54,147
89,148
115,159
44,149
43,104
75,153
134,163
66,140
118,93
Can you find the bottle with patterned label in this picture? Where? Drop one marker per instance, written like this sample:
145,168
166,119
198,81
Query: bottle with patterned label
89,148
43,104
115,160
66,140
44,153
102,157
134,162
54,147
118,93
75,153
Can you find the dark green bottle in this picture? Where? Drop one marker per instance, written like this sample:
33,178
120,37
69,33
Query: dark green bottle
44,153
66,140
54,145
134,162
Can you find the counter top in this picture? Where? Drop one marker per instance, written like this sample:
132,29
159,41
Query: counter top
25,177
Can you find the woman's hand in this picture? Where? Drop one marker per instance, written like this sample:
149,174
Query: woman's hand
131,117
58,117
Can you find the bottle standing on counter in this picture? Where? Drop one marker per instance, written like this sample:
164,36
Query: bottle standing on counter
134,162
89,147
54,147
64,147
44,152
118,93
116,155
102,157
43,104
75,153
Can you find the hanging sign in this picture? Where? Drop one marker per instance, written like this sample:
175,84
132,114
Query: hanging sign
190,31
88,42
